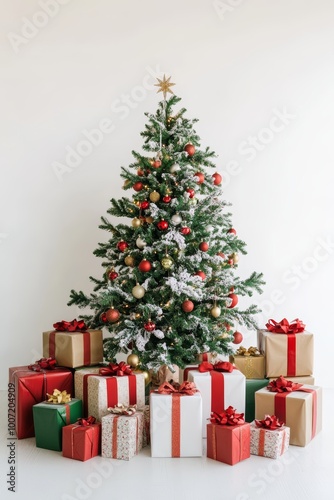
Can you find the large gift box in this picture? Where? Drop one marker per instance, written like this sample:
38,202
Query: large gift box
288,349
122,434
102,388
269,437
221,385
73,345
176,421
250,362
50,418
228,437
82,440
251,387
299,406
31,387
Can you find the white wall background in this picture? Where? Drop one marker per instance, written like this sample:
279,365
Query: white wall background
236,66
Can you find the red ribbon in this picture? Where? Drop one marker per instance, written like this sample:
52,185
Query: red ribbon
43,364
86,422
227,417
281,384
270,423
70,326
116,370
296,326
186,388
221,366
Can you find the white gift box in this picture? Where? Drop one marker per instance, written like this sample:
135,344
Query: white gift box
97,391
234,393
122,435
269,443
167,427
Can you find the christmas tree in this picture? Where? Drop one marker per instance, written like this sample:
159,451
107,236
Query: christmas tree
169,290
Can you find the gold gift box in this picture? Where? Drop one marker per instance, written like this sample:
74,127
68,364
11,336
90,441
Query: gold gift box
251,366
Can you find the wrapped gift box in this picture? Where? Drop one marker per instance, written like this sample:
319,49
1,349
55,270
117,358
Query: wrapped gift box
81,442
302,411
290,355
122,435
176,425
49,419
269,443
251,387
219,390
228,443
99,393
74,349
31,388
165,374
308,380
253,367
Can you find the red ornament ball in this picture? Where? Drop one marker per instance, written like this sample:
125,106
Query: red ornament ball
190,149
200,176
187,306
144,205
138,186
204,246
201,275
227,327
221,254
122,246
217,179
191,192
185,230
167,199
232,231
156,164
145,266
112,275
112,315
140,172
162,225
237,338
149,326
234,299
104,317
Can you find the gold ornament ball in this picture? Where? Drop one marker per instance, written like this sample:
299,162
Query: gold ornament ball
138,291
154,196
147,377
133,360
136,222
167,262
235,258
149,220
216,311
129,261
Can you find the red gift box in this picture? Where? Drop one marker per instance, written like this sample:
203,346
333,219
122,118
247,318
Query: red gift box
82,442
30,389
228,443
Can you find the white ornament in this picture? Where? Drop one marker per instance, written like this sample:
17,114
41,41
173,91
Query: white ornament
176,219
174,168
138,291
140,243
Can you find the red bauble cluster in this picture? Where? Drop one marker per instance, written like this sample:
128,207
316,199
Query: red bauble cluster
122,246
187,306
145,266
162,225
112,315
234,299
149,326
167,199
112,275
156,164
200,177
201,274
138,186
144,205
237,338
190,149
204,246
185,230
191,192
217,179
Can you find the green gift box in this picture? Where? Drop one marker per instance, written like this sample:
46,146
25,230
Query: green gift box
253,385
49,419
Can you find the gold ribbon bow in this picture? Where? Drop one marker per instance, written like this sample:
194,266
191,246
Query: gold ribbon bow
251,351
121,409
59,397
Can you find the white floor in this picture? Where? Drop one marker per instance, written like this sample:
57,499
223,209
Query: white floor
301,474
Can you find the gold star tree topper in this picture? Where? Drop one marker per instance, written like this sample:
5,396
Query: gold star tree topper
164,85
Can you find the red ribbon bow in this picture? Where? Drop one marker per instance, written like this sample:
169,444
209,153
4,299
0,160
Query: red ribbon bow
43,364
296,326
269,423
281,384
227,417
116,370
187,388
70,326
85,422
221,366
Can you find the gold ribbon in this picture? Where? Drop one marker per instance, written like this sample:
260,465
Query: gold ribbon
58,397
251,351
122,409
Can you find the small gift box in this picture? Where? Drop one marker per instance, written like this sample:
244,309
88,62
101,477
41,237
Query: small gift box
165,374
107,386
251,387
269,437
82,440
250,362
220,385
32,383
73,345
176,421
122,432
288,348
299,406
51,416
228,437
